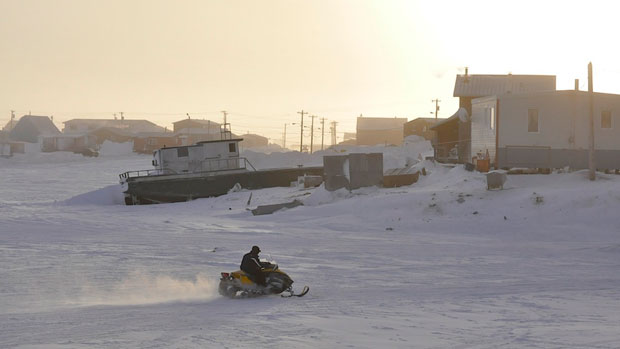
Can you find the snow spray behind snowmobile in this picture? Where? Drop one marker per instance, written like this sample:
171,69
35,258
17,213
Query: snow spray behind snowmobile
239,285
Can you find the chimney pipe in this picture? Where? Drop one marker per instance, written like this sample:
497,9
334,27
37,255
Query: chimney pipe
576,84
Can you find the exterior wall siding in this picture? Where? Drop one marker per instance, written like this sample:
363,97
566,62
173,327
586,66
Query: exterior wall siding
563,131
482,134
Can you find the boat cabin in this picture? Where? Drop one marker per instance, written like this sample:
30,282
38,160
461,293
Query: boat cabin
206,156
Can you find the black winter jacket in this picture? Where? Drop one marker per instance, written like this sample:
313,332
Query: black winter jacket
250,264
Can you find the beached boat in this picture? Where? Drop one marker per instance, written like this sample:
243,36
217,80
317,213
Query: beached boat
205,169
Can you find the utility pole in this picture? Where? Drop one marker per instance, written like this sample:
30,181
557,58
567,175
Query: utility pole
312,134
12,118
301,142
322,131
591,97
333,129
436,107
284,138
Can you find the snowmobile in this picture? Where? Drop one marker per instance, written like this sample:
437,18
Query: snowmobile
239,284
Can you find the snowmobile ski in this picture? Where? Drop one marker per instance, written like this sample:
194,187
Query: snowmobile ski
293,294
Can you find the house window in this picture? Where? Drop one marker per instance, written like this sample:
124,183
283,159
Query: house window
606,119
232,148
532,120
182,152
492,118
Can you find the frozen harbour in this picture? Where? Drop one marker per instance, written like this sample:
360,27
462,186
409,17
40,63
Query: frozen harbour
443,263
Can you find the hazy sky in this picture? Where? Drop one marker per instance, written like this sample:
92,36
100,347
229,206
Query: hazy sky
263,61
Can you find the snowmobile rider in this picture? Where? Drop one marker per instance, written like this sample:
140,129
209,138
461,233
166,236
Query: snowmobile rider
253,266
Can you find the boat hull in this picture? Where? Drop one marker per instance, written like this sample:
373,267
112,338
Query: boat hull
179,188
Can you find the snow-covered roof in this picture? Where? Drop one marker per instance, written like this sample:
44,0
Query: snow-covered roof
130,125
199,121
487,85
422,119
196,131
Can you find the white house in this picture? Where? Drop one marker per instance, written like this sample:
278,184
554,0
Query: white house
546,129
454,133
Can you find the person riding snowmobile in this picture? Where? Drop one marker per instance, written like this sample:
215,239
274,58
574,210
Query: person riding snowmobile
253,266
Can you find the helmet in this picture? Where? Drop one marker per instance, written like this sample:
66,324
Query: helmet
255,249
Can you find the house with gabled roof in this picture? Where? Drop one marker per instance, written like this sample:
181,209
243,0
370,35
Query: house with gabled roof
30,127
454,134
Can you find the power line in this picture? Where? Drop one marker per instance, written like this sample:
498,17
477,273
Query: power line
322,131
333,129
312,134
301,142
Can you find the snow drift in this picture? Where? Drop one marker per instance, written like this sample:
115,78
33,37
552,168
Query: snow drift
110,195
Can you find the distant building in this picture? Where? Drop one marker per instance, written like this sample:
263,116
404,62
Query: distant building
420,127
211,126
147,143
546,129
192,131
348,136
253,140
113,134
66,142
130,126
30,127
189,136
8,147
373,131
9,125
454,133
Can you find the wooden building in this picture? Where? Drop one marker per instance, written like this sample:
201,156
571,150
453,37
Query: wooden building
420,127
147,143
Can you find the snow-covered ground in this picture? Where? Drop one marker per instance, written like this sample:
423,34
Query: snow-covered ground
443,263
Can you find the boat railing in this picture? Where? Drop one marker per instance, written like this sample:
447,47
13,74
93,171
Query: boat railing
212,165
206,166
